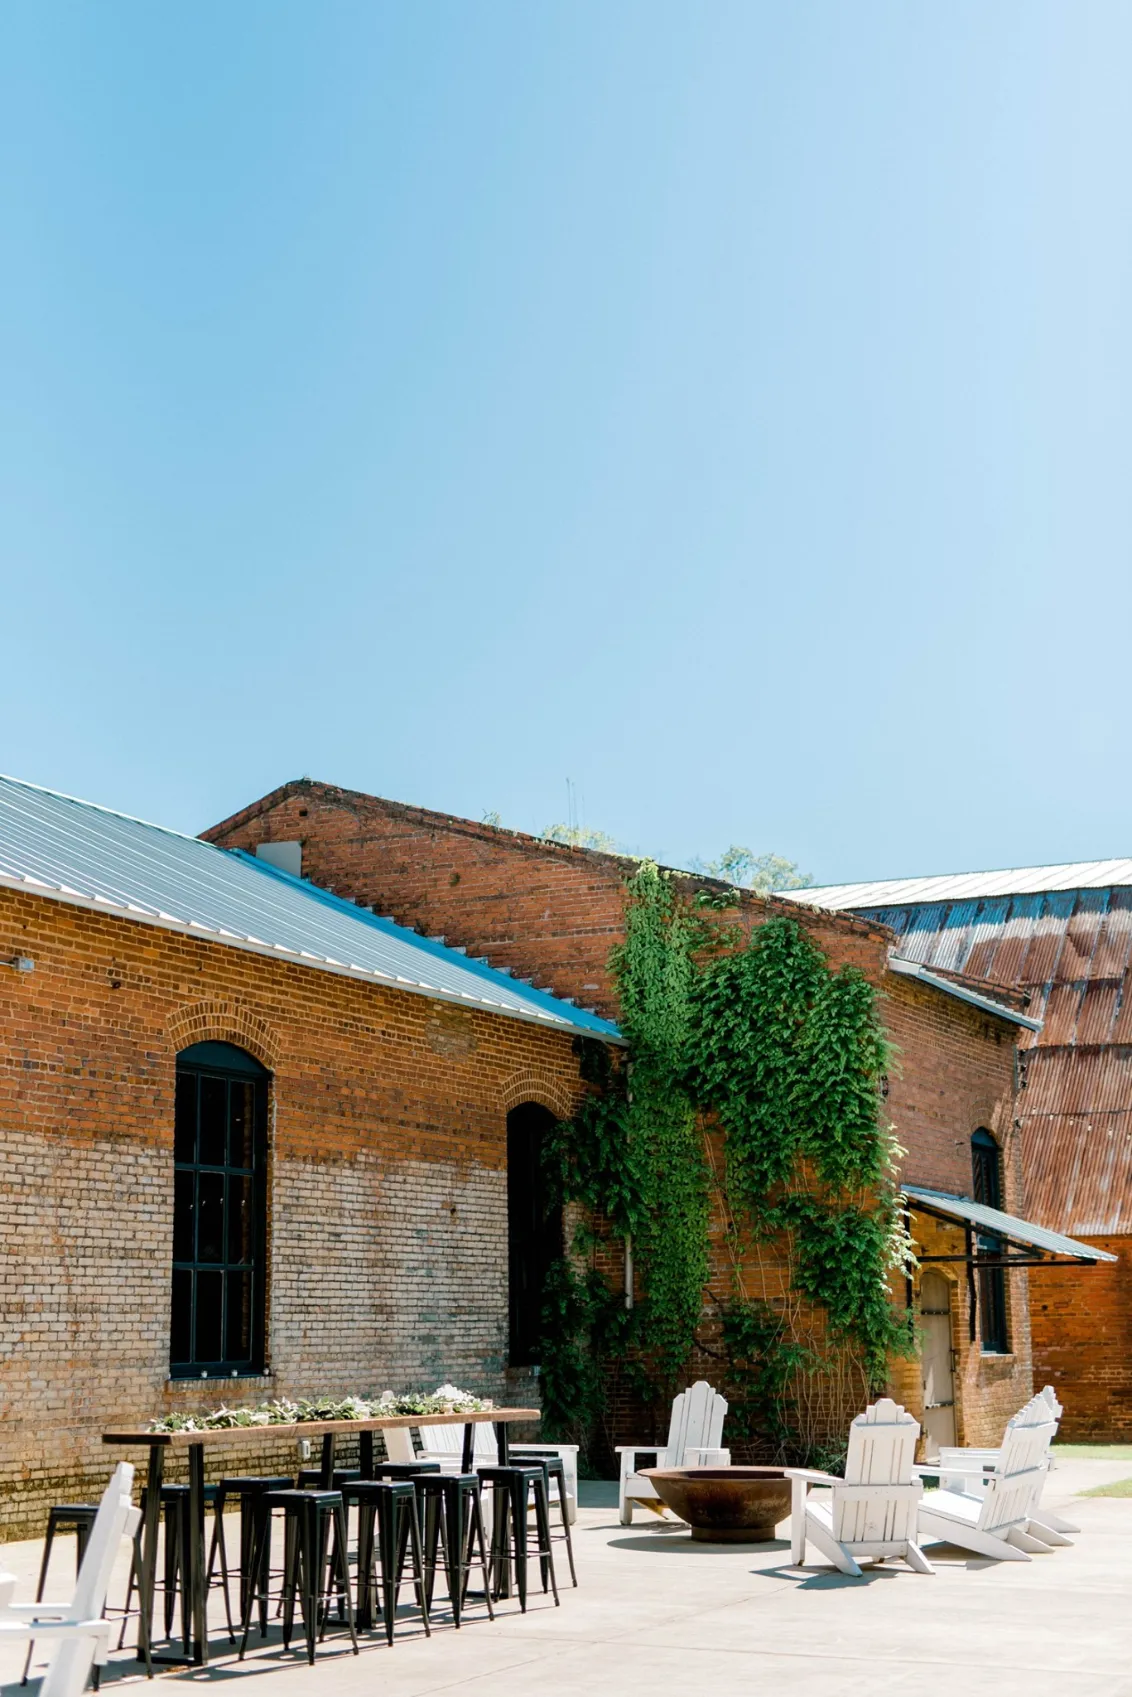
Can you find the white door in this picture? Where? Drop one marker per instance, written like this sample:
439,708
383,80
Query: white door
939,1379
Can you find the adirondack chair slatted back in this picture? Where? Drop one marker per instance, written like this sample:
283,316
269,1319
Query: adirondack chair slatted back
697,1422
443,1441
116,1519
101,1551
882,1451
1013,1488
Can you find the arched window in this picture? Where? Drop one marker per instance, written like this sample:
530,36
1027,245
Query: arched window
986,1175
534,1229
219,1213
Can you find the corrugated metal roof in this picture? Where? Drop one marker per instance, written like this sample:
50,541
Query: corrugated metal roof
993,1220
1064,934
56,846
967,886
1079,1171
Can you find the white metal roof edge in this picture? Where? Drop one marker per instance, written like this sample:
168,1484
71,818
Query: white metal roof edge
925,889
913,969
1025,1231
280,952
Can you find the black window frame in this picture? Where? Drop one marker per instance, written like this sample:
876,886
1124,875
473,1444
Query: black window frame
986,1179
535,1236
201,1065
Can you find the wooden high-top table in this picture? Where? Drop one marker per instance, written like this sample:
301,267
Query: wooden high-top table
196,1442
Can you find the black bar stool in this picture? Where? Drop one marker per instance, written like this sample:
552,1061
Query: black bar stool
79,1518
556,1470
309,1518
248,1489
310,1478
453,1519
387,1508
175,1510
512,1488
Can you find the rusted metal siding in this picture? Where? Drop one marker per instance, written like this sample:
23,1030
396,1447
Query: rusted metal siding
1072,951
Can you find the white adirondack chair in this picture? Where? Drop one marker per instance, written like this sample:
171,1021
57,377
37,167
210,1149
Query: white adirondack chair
871,1515
694,1435
78,1627
955,1467
996,1518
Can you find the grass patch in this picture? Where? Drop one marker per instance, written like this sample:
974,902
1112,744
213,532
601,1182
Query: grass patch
1118,1488
1092,1452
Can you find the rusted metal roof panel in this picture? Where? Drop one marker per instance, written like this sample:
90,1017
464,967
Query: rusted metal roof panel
1115,942
1079,1172
1097,1011
1064,934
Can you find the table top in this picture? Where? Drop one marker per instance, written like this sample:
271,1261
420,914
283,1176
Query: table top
317,1428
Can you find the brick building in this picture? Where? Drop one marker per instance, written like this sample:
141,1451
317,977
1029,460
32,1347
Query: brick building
1062,935
550,913
247,1131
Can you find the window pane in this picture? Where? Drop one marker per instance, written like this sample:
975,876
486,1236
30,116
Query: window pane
240,1241
241,1121
210,1224
238,1343
213,1121
210,1298
184,1217
180,1331
185,1118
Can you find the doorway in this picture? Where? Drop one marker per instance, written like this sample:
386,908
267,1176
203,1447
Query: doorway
534,1228
938,1362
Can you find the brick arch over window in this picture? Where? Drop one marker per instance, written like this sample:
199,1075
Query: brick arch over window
529,1086
224,1022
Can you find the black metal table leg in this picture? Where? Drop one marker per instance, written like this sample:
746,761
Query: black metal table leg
365,1454
149,1554
197,1595
326,1483
467,1457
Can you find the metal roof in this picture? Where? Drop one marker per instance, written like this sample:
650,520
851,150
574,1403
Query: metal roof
994,1221
966,886
74,851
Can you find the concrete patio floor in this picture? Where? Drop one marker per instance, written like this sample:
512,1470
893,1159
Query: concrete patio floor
656,1612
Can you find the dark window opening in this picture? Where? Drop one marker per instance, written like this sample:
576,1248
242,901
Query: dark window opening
986,1173
534,1229
219,1213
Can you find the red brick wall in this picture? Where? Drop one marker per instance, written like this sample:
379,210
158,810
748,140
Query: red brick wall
1082,1325
552,913
388,1257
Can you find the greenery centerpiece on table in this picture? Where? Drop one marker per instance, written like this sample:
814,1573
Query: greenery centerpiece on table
282,1411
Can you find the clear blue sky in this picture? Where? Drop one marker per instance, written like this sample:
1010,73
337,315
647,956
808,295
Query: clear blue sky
727,407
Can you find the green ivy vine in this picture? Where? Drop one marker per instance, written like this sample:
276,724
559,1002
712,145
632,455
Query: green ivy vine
755,1035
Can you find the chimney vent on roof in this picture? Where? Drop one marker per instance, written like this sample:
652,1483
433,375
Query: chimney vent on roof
285,857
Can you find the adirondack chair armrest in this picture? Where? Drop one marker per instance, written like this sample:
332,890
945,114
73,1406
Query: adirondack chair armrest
933,1469
36,1611
634,1450
812,1476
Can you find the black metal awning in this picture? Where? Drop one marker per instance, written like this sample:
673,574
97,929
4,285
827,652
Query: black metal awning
995,1239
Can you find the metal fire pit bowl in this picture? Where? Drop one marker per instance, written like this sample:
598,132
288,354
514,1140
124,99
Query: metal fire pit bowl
725,1505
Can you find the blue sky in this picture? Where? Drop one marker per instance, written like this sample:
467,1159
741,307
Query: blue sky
727,408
